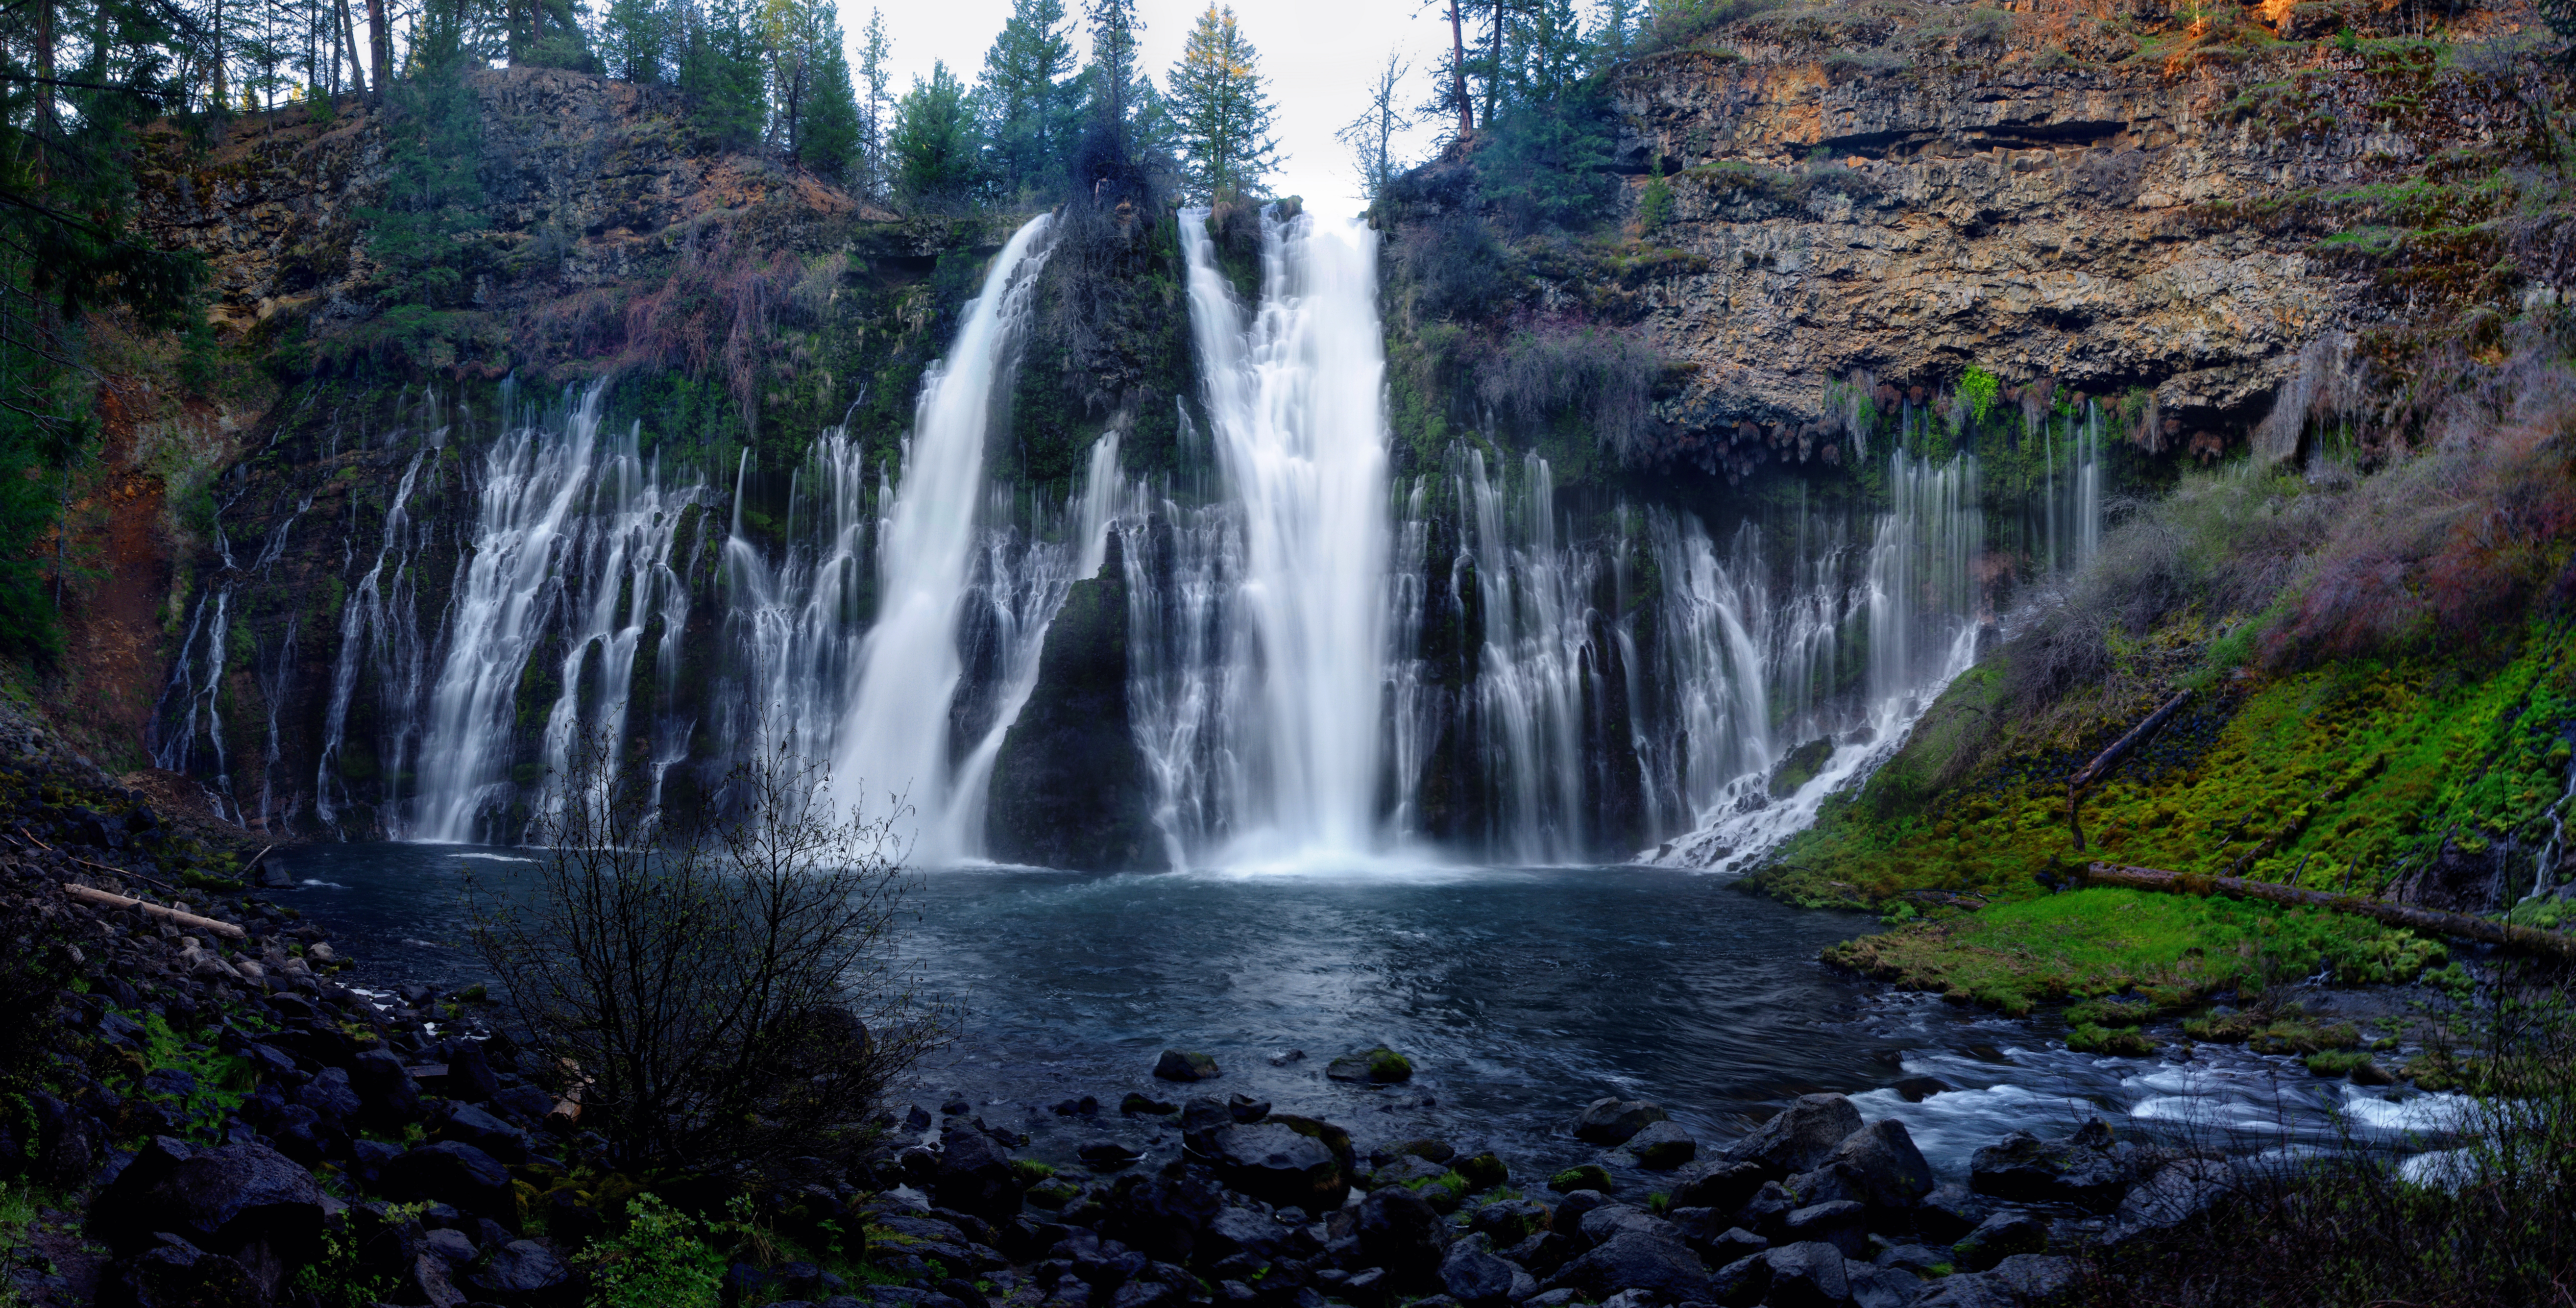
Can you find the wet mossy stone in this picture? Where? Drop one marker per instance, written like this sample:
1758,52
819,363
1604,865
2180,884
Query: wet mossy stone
1799,767
1380,1066
1186,1065
1590,1176
1140,1105
1484,1172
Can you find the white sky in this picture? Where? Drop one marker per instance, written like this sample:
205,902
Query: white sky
1318,56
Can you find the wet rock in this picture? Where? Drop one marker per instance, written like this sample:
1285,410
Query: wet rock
1614,1121
1742,1283
1842,1223
1590,1176
1380,1066
1399,1231
469,1072
1570,1212
1608,1220
1949,1212
1767,1212
1662,1146
1637,1260
222,1200
1881,1165
1069,787
1472,1275
1882,1287
1724,1186
1507,1222
2036,1279
1277,1165
1426,1149
1799,1137
2088,1168
1164,1216
1182,1065
1916,1089
1483,1171
506,1143
1332,1137
974,1175
2176,1193
1242,1233
389,1098
1807,1275
1138,1105
1104,1155
1201,1118
2000,1237
1542,1252
1246,1109
330,1097
1086,1106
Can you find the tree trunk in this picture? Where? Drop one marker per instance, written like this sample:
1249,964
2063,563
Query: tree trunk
2512,939
1494,74
45,89
380,46
1458,70
2110,758
223,100
346,34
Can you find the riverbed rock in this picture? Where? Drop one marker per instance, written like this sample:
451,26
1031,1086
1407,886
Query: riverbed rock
1882,1287
1379,1066
220,1200
506,1143
2177,1192
1183,1065
1507,1222
1277,1165
1399,1231
1880,1163
2035,1279
1662,1146
1608,1220
1807,1275
1999,1237
1637,1260
1722,1185
2089,1168
974,1174
1842,1223
1799,1137
1949,1212
521,1272
1613,1121
1472,1275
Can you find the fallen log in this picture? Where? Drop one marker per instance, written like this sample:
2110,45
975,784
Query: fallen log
2463,926
2110,758
96,896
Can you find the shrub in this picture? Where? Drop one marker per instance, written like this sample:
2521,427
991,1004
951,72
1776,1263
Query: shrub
1454,265
661,1260
1603,376
723,983
1548,164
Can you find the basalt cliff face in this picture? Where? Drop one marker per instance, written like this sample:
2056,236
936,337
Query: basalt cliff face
2147,205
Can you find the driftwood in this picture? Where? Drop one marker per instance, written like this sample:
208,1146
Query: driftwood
78,891
2110,758
2513,939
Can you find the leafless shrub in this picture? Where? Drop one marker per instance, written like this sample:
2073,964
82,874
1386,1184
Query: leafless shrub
1604,376
720,988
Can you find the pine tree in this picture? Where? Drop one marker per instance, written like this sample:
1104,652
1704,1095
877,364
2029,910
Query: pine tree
1025,97
830,143
721,71
1111,75
634,41
1220,113
876,105
933,143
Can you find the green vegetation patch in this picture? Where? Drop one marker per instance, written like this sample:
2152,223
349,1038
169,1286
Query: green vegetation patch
2171,948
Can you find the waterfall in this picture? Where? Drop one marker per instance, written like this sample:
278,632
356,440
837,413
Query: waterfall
1923,608
188,721
379,630
2088,486
1537,663
894,736
1295,395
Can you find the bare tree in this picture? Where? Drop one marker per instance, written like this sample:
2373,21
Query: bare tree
721,986
1371,136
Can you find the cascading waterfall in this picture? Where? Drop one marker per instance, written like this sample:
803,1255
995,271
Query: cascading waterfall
894,735
188,719
559,519
379,630
1295,395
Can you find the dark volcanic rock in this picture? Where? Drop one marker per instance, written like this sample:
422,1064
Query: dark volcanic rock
1723,1186
1275,1164
1613,1121
1662,1146
2087,1168
1070,789
2000,1237
974,1175
1802,1136
1399,1231
521,1272
452,1172
220,1200
1880,1163
1637,1260
1181,1065
1807,1275
1473,1275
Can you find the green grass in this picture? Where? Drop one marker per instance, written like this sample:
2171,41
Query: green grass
2171,948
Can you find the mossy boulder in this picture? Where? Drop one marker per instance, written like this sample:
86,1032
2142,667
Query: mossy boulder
1070,789
1380,1066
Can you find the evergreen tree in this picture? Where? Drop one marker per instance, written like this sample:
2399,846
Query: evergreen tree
876,105
1221,116
723,72
1025,99
830,143
433,194
933,143
1111,76
634,41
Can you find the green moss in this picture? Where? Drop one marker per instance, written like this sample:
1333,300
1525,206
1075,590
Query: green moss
2127,1041
1590,1176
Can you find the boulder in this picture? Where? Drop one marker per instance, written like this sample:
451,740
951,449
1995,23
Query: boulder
1662,1146
1070,788
2036,1279
1242,1233
1162,1217
1880,1164
330,1097
469,1072
1637,1260
389,1099
1140,1105
1380,1066
1807,1275
1399,1231
1842,1223
1967,1290
1201,1118
1279,1166
1608,1220
452,1172
1799,1137
1472,1275
1742,1283
1723,1186
222,1200
2176,1193
2000,1237
1180,1065
506,1143
1507,1222
1590,1176
522,1272
1949,1212
1614,1121
173,1273
2088,1168
1483,1171
1882,1287
1767,1212
1246,1109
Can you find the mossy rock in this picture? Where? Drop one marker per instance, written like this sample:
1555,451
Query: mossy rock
2294,1035
1053,1192
1029,1171
2124,1042
1590,1176
1380,1066
1185,1065
1138,1105
2336,1062
1799,767
1484,1172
